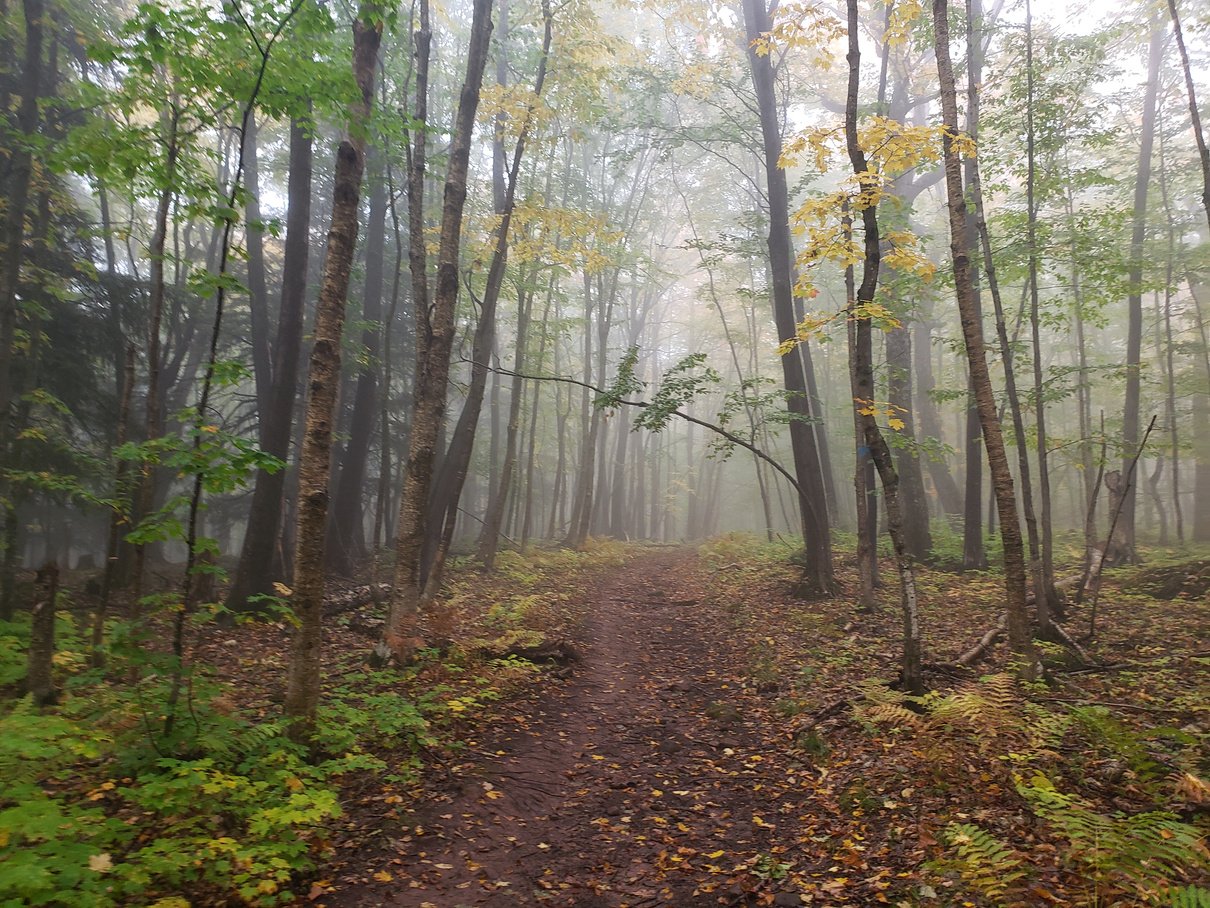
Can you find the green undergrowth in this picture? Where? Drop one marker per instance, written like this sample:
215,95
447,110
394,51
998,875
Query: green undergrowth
528,598
1090,790
1123,806
99,807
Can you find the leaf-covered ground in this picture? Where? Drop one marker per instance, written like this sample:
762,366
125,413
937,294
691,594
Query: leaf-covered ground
632,726
718,742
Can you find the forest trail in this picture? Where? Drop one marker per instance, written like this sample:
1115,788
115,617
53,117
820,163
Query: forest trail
639,780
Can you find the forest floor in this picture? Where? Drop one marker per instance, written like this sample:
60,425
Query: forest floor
628,725
717,742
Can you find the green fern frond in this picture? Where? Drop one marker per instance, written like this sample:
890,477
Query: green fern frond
1190,897
984,862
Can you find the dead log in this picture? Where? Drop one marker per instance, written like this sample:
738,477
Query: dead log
551,652
979,650
341,601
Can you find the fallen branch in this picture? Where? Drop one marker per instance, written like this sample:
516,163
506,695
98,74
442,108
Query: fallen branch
356,597
832,709
1135,707
1056,631
986,642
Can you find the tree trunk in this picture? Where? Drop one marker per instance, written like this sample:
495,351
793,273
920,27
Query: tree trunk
817,577
972,333
863,379
39,679
346,530
1203,152
323,381
1046,597
20,173
434,325
259,565
451,476
948,494
258,294
1123,546
974,557
916,530
1201,467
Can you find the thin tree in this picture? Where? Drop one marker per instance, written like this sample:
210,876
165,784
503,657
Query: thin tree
1195,116
323,382
976,353
434,321
817,577
1122,546
863,373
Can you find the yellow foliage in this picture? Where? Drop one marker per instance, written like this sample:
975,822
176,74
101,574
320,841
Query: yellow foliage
804,26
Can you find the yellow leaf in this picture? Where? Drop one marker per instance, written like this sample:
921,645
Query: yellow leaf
383,876
101,863
715,855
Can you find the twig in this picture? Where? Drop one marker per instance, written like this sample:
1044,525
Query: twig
1096,588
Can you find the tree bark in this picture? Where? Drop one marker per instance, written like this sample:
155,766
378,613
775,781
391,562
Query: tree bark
39,679
323,381
974,557
451,476
1122,547
972,333
259,564
863,378
817,578
346,531
434,325
1195,116
20,173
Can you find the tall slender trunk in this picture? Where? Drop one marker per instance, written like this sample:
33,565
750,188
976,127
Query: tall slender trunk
1046,597
323,381
259,563
258,294
20,173
976,354
1044,589
346,530
493,520
157,290
974,557
451,476
1166,348
948,494
817,578
1201,432
1195,116
1122,546
863,378
434,323
118,517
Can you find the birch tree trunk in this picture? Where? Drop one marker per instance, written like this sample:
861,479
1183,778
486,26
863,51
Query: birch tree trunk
323,382
976,354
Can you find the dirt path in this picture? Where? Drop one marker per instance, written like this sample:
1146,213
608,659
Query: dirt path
639,780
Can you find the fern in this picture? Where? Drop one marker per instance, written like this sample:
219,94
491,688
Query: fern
1189,897
984,862
1143,851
